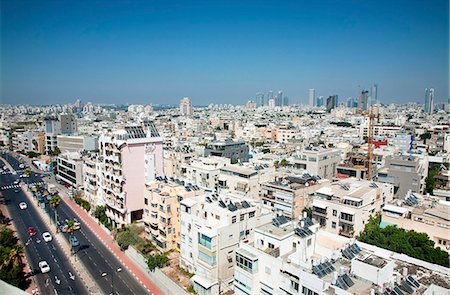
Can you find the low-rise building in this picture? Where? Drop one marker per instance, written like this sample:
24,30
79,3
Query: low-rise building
239,180
233,150
316,161
432,219
76,143
204,171
176,161
69,167
289,195
344,207
211,228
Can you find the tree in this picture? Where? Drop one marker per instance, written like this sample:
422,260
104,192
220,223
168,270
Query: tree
157,260
55,201
425,136
27,172
411,243
11,270
70,228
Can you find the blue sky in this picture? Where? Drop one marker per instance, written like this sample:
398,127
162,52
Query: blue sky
221,51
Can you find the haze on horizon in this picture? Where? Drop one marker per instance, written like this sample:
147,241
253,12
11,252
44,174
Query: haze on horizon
221,51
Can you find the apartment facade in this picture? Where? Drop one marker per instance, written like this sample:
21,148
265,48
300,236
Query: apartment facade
162,210
211,228
233,150
69,168
405,173
129,157
176,160
91,178
73,143
289,195
204,171
345,206
239,180
317,161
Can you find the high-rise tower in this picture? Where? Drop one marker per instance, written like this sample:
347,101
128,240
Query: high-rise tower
429,100
312,97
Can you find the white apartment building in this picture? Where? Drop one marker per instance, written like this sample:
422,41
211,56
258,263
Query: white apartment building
129,157
204,171
239,180
379,130
297,258
52,129
289,195
284,133
74,143
91,177
345,206
316,161
211,228
70,169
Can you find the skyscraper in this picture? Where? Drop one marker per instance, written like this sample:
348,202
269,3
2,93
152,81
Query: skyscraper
260,99
363,99
374,95
269,96
285,101
331,102
279,100
312,96
429,100
186,106
319,101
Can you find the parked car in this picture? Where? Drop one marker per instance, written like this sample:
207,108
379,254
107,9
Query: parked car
31,231
43,265
23,205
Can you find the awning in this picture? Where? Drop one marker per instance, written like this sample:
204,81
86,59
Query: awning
319,204
352,199
202,281
348,211
395,209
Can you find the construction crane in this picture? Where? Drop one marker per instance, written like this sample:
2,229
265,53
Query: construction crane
370,144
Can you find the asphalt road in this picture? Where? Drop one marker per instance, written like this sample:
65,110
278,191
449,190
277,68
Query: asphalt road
58,280
95,256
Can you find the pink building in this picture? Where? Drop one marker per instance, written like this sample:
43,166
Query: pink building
130,157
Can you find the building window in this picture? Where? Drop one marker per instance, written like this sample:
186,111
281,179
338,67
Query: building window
251,214
211,260
333,224
334,212
244,263
242,217
204,240
306,291
308,242
233,219
145,201
271,246
294,285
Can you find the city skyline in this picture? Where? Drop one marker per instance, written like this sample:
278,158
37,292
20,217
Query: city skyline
222,52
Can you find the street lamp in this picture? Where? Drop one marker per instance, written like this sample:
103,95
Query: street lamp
104,274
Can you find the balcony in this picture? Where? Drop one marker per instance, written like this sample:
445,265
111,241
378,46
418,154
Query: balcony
346,233
319,211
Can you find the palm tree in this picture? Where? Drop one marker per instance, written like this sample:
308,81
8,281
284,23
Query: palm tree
70,224
27,172
14,256
54,202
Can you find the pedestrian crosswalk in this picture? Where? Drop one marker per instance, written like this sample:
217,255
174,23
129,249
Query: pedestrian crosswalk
15,186
18,171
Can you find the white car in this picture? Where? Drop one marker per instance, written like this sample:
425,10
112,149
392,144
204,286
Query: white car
43,265
23,205
21,166
16,181
47,237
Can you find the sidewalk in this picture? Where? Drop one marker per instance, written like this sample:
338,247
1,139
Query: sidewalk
109,242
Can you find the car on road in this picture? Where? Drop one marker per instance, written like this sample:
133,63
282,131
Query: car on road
23,205
43,265
16,181
21,166
74,241
63,228
31,231
47,237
